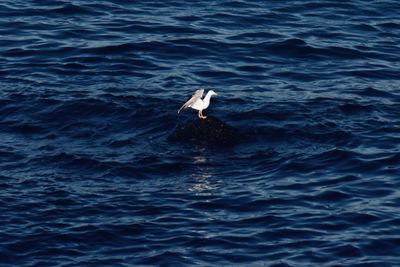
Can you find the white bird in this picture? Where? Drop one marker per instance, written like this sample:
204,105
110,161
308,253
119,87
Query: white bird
195,102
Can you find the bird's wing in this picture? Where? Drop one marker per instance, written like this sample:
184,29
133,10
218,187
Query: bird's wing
198,94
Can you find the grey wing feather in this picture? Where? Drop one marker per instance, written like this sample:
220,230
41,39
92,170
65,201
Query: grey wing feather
198,94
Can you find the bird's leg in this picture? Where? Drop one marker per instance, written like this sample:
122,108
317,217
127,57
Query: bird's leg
202,116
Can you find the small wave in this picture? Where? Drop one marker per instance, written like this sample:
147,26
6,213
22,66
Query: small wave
373,92
75,10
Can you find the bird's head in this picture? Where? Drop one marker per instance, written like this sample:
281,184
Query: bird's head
212,93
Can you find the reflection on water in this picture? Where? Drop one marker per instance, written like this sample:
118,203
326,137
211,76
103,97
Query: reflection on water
201,183
200,180
199,159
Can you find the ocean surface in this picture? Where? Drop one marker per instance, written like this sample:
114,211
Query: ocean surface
89,93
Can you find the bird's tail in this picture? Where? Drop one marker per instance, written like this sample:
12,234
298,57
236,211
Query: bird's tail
181,109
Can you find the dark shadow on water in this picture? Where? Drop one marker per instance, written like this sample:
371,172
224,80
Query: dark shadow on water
209,131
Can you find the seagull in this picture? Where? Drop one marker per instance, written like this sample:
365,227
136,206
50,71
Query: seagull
195,102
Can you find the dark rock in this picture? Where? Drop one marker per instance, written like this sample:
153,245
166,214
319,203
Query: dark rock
206,131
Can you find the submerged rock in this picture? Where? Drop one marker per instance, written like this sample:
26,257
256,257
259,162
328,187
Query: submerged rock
207,131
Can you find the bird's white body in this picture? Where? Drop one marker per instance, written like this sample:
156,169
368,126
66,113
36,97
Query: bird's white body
201,104
195,102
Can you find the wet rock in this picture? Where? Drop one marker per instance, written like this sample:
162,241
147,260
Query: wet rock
206,131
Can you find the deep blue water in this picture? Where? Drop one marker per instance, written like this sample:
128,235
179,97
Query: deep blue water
89,92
